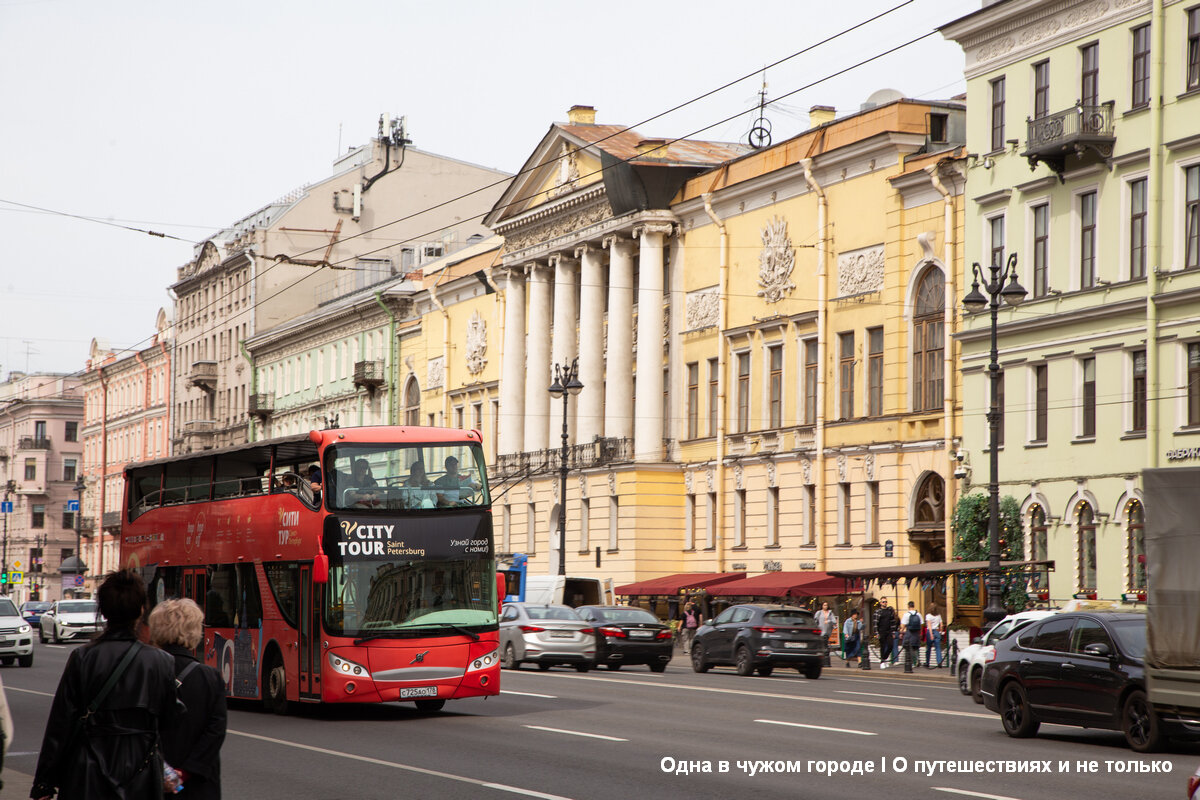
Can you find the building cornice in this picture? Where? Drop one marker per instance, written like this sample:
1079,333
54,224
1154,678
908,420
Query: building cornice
1051,321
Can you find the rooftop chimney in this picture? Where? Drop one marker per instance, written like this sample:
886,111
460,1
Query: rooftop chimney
582,115
819,115
654,148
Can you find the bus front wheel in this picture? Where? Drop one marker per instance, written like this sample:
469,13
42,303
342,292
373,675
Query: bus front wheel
275,686
430,706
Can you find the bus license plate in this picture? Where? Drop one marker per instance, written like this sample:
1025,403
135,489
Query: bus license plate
796,645
418,691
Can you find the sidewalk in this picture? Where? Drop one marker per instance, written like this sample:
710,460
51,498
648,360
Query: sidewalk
16,784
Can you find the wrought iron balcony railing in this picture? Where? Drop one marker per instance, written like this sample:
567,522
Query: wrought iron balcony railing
1083,132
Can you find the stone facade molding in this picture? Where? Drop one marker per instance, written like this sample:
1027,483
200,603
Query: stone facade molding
861,271
476,343
435,377
702,306
776,261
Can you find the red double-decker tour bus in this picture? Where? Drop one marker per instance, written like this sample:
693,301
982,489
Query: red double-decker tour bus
348,565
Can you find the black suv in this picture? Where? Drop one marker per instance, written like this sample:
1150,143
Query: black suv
629,635
760,637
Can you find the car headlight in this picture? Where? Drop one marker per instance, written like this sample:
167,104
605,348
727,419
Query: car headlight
345,666
24,629
483,662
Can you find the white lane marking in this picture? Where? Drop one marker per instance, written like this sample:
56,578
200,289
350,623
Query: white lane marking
577,733
876,694
396,765
911,683
530,694
972,794
815,727
773,696
28,691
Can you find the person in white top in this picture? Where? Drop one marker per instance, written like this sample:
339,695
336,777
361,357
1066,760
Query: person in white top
933,635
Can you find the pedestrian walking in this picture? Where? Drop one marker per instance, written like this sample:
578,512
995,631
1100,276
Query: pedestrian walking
885,626
852,637
911,624
692,619
192,746
115,695
827,621
933,635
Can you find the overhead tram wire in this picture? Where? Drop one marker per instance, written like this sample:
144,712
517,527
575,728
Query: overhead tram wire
158,234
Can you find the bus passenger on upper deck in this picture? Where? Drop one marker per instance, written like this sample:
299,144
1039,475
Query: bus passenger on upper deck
416,476
457,485
361,477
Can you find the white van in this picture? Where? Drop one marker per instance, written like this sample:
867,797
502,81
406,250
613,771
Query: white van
574,592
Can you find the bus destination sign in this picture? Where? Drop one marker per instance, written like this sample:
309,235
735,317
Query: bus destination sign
410,539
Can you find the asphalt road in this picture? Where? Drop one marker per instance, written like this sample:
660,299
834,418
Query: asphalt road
561,734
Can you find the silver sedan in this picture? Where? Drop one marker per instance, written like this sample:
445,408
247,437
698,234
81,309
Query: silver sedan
545,635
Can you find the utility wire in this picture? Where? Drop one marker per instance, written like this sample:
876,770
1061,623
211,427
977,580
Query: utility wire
97,221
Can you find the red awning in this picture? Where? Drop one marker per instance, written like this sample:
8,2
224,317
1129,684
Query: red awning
789,584
673,584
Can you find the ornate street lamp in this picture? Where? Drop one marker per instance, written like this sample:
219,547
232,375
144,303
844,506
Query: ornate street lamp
566,384
994,289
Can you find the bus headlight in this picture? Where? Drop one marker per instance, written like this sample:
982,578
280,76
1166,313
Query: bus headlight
345,666
483,662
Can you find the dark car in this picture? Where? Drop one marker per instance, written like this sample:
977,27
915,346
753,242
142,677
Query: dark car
32,611
761,637
629,635
1082,669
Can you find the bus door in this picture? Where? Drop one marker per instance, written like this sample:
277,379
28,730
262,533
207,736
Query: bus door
310,634
195,586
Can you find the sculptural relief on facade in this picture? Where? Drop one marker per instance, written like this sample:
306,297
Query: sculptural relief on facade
612,483
772,478
436,369
568,171
560,225
870,466
702,306
860,271
476,343
841,468
806,471
583,486
738,477
687,482
776,261
709,477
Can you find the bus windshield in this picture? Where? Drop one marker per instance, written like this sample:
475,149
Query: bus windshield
405,477
371,598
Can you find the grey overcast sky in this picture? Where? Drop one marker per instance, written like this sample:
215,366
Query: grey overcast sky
184,117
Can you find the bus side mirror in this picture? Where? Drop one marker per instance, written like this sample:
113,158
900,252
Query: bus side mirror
501,588
321,568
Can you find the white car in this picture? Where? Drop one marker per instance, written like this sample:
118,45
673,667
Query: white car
70,619
972,659
16,636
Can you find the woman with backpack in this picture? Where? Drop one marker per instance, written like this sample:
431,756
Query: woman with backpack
911,623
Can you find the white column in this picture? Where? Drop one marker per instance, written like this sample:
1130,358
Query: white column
512,376
566,278
618,391
647,412
590,403
537,363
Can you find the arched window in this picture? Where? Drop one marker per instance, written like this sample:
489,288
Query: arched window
1136,545
1087,547
931,503
1038,546
928,343
412,403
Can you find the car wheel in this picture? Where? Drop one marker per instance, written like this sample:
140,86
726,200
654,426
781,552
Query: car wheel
429,705
766,670
812,671
582,667
698,662
275,686
1140,725
54,637
977,685
658,667
25,661
42,634
510,658
614,666
7,661
745,665
1015,713
543,666
964,678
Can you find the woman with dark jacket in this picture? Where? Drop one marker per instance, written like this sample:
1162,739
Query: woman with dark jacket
193,744
113,755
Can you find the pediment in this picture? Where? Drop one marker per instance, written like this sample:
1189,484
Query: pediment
562,164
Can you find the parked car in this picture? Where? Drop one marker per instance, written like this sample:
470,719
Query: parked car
761,637
70,619
545,635
1082,669
16,636
629,635
32,611
973,658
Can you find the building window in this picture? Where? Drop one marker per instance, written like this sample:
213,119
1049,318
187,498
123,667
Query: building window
70,468
458,417
1087,547
710,522
997,114
1040,402
743,392
1038,546
810,514
38,516
775,385
928,341
1191,215
872,512
810,381
477,416
739,518
68,520
843,522
875,372
31,469
1041,89
585,513
506,528
713,379
1193,49
1139,390
772,516
1088,397
996,240
412,402
71,432
1041,252
1087,240
531,528
938,126
666,401
689,523
1193,385
1089,85
1136,533
846,374
614,516
1137,228
693,399
1141,66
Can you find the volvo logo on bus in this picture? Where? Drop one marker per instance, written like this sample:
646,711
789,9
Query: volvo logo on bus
419,658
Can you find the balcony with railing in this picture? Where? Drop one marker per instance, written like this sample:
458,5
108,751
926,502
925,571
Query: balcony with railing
33,443
262,405
368,374
601,451
111,519
1076,137
203,375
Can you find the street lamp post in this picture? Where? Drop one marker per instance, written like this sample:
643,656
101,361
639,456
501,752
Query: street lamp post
975,301
566,384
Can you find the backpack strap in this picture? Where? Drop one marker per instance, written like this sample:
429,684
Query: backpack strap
186,671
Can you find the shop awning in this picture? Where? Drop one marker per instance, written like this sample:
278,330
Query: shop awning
670,585
789,584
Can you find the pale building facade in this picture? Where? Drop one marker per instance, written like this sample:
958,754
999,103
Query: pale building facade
1086,165
41,455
